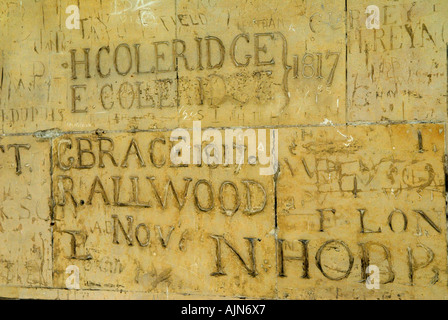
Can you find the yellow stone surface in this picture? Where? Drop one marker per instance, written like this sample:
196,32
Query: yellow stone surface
89,191
126,67
45,83
187,227
283,63
397,72
367,195
25,235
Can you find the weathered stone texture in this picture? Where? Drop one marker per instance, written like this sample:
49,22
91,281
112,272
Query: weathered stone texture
25,231
359,116
367,195
397,72
179,221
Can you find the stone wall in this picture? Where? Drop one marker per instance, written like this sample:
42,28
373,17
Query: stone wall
92,205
